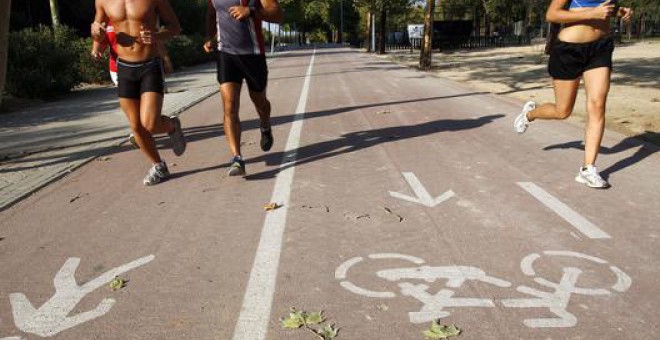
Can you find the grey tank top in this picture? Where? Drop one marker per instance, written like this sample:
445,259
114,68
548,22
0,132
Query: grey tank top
238,37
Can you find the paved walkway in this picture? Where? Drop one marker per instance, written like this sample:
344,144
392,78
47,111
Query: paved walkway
45,142
403,198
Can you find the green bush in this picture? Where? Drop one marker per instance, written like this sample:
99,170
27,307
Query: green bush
42,62
187,50
92,71
45,62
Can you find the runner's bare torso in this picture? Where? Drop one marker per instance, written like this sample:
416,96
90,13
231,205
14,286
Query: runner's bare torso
134,21
589,20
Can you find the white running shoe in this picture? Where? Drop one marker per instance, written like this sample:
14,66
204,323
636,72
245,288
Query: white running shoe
521,123
157,173
589,175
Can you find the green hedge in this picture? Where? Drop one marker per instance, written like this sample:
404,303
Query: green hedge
45,62
187,50
42,63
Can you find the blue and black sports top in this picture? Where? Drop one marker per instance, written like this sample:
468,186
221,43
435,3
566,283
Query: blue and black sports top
588,3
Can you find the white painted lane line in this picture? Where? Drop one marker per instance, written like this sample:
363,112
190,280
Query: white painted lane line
569,215
253,321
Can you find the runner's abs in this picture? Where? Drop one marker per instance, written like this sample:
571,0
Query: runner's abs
585,31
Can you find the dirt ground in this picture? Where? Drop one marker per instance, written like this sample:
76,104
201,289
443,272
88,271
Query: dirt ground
520,72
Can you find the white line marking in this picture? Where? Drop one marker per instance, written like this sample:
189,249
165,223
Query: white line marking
253,321
342,270
422,195
571,216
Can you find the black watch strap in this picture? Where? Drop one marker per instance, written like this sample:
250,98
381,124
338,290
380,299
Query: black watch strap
253,12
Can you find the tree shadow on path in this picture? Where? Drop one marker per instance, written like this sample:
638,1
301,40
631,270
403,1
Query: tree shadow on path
644,150
357,140
360,140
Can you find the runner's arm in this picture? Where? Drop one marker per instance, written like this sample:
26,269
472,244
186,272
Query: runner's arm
100,21
270,11
170,21
559,15
98,48
211,29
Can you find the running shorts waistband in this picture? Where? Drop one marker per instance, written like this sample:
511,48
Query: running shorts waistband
149,62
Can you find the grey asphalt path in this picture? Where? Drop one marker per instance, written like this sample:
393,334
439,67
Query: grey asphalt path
42,143
351,245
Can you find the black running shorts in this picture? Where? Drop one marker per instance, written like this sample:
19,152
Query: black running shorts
234,68
569,60
138,78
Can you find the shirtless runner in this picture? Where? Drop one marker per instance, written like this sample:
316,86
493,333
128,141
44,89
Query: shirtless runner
139,67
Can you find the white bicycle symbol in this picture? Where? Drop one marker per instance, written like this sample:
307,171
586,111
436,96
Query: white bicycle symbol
434,305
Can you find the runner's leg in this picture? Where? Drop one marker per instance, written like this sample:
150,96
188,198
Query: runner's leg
597,86
151,105
131,108
565,94
231,98
262,104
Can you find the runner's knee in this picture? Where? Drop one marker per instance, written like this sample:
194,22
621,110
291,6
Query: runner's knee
563,112
596,106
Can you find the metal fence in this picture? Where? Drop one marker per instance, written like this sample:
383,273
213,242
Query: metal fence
466,43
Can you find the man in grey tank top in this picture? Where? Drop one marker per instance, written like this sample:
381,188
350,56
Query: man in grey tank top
236,25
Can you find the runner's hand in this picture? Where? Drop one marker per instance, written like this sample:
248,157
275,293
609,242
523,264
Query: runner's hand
146,37
97,55
239,13
208,46
98,30
625,13
604,11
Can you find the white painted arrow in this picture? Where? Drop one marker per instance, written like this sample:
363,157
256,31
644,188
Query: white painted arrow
52,317
423,196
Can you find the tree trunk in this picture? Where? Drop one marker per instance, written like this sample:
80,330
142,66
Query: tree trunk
425,60
486,24
5,10
382,31
54,13
368,36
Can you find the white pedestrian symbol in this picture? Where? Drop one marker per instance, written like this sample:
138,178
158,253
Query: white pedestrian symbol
435,306
53,316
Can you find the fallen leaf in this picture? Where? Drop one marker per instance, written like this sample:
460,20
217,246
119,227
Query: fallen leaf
77,197
314,318
324,207
328,332
438,331
384,112
655,100
271,206
2,238
295,320
103,159
117,283
389,211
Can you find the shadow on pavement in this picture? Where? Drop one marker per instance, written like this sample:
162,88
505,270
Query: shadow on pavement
637,141
360,140
199,133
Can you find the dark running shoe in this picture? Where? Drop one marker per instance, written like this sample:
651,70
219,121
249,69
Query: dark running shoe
177,138
266,139
237,167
